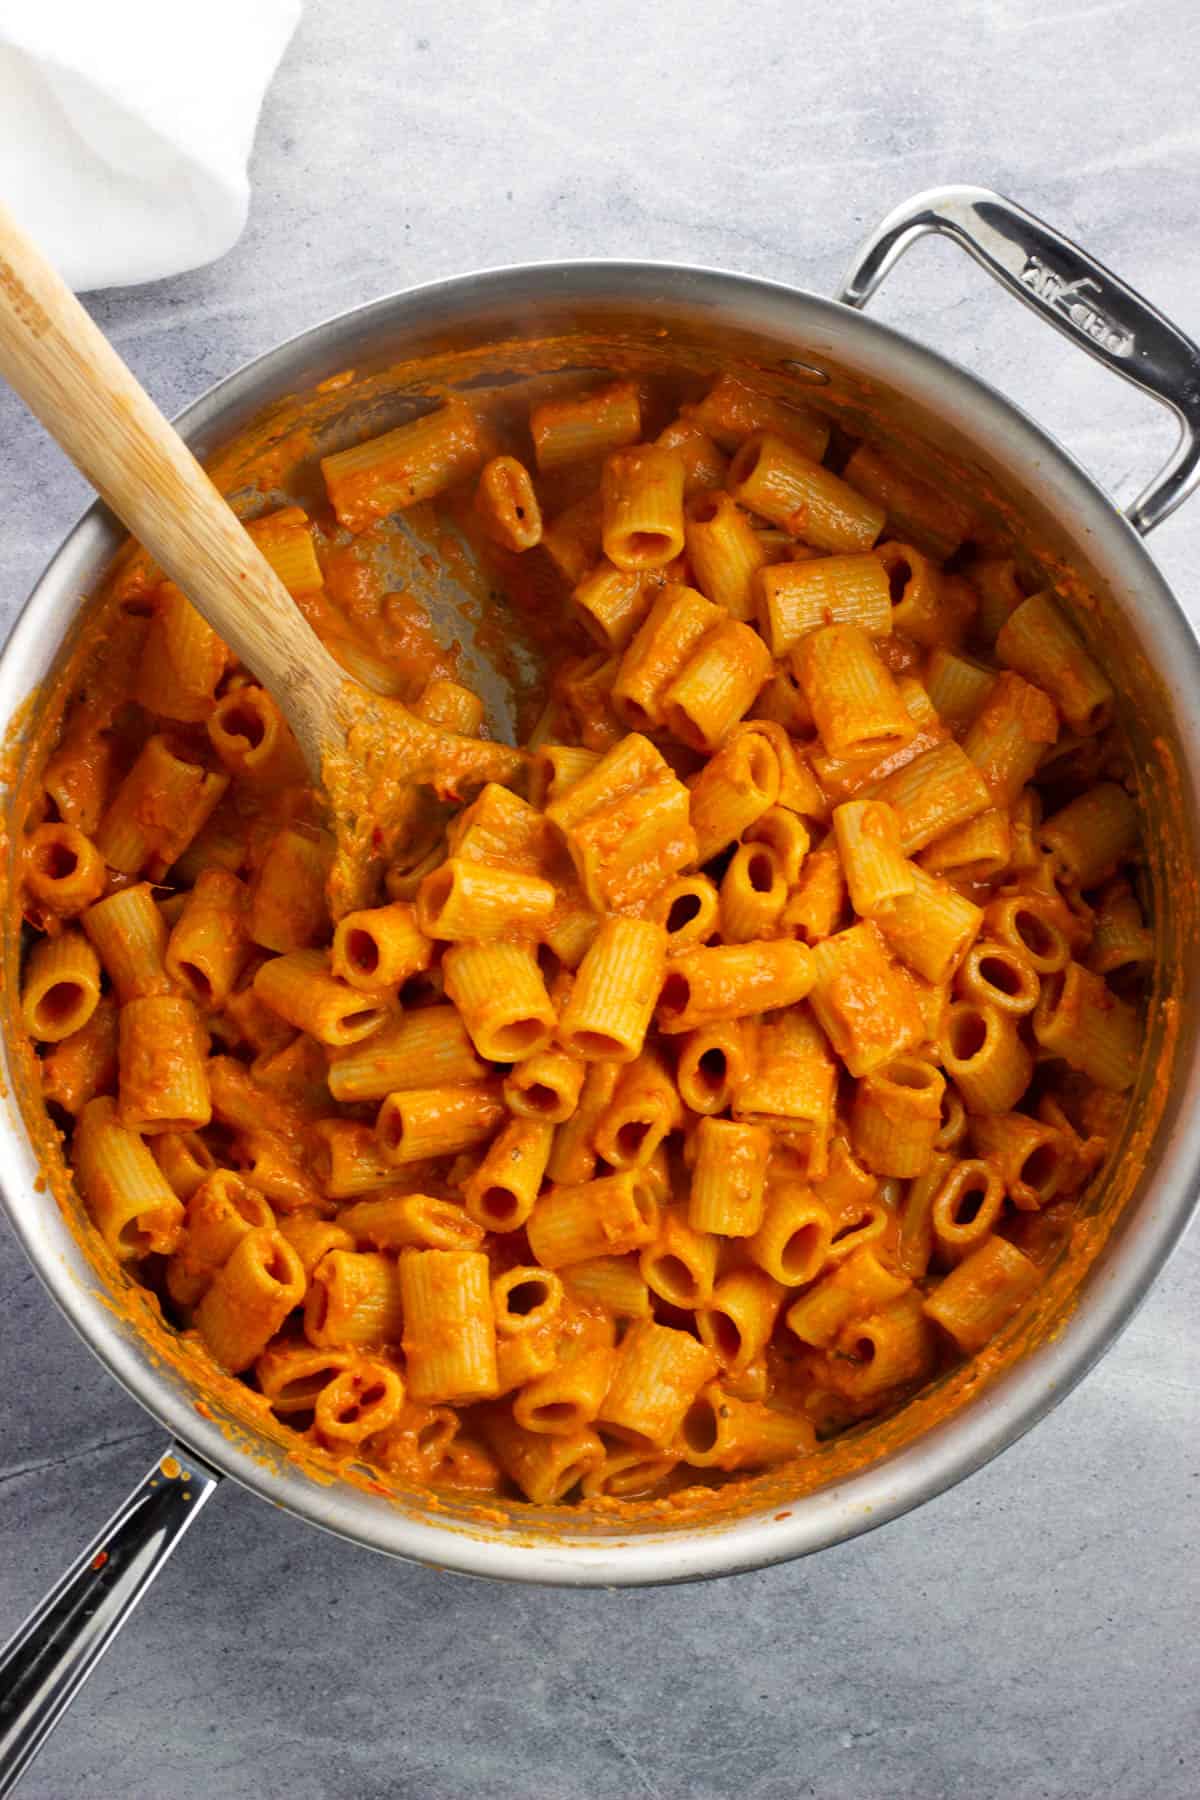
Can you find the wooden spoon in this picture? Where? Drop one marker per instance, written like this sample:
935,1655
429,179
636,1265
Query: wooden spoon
364,750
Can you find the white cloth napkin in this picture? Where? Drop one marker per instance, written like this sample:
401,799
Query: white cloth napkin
126,125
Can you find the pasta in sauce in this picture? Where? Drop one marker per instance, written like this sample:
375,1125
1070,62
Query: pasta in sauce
708,1089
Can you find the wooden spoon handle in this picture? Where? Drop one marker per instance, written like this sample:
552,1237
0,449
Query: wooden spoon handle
70,376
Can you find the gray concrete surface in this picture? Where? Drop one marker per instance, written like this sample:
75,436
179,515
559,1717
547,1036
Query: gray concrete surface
1032,1634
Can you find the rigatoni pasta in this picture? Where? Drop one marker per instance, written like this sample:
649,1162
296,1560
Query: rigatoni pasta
721,1431
500,1195
433,1122
354,1298
713,1062
130,936
158,809
1079,1018
449,1326
411,463
704,465
738,1321
301,989
897,1116
753,894
1037,641
770,477
162,1080
798,597
729,1174
248,1299
501,997
208,945
680,1265
596,1218
725,552
614,991
732,982
409,1221
677,621
733,791
507,505
428,1046
64,871
929,607
611,604
134,1207
716,686
857,706
793,1241
379,947
734,408
915,510
287,908
577,427
642,502
61,989
659,1373
626,825
640,1124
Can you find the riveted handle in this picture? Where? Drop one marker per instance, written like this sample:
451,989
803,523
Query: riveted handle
1073,292
48,1659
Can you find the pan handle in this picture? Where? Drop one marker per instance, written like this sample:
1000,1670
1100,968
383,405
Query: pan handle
1071,291
48,1659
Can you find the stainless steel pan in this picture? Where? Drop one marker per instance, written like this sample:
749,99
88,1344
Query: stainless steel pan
968,434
